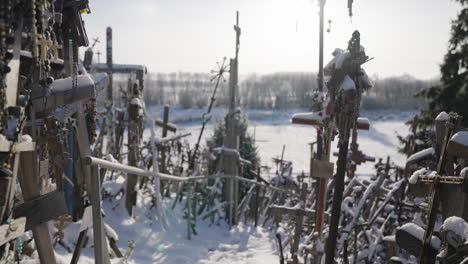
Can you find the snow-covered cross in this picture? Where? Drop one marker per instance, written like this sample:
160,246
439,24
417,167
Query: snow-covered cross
165,125
299,211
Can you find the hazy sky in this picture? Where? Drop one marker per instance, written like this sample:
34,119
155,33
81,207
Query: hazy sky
404,36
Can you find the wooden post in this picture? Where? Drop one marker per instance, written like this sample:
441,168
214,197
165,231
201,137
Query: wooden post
164,134
101,252
189,211
130,192
133,142
82,240
337,199
111,144
257,193
166,126
93,188
299,225
84,148
109,95
30,187
278,238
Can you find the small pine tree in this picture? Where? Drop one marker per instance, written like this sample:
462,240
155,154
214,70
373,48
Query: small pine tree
451,94
247,148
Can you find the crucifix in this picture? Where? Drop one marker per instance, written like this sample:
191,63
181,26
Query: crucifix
98,56
44,45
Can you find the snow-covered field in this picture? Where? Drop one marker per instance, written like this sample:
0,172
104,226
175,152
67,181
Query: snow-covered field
244,243
273,129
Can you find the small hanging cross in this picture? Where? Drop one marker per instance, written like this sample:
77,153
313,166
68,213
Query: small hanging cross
350,8
98,56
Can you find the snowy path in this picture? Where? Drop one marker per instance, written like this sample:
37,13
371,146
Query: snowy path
213,244
244,244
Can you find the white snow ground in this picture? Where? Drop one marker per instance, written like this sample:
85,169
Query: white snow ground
244,243
213,244
273,129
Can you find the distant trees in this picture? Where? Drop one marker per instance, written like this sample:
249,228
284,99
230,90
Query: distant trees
395,93
451,93
275,91
182,88
278,90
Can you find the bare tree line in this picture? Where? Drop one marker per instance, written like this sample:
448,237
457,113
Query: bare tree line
275,91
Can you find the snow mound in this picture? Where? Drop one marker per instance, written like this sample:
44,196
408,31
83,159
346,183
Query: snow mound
418,232
456,225
460,138
464,172
442,116
421,172
26,138
347,84
420,154
136,101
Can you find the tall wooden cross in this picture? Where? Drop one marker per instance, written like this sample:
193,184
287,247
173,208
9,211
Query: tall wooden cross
231,140
166,126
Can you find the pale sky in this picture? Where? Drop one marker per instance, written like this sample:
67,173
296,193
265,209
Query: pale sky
404,36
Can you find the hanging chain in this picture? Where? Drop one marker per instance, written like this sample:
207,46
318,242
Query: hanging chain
73,64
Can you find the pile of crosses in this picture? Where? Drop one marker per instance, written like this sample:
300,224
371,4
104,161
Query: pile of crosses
48,129
353,215
47,126
434,210
369,214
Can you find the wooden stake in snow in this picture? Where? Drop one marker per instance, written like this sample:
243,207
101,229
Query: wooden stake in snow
109,94
135,126
157,182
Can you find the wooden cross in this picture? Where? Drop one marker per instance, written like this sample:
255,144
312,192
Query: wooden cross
320,166
452,122
299,214
301,177
411,139
45,44
231,140
280,162
165,125
32,190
